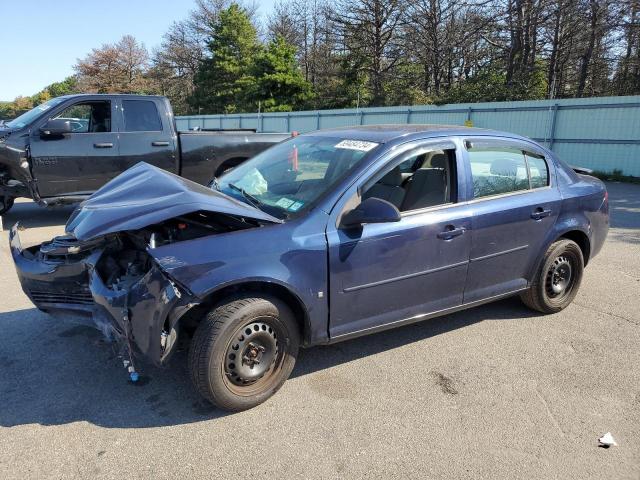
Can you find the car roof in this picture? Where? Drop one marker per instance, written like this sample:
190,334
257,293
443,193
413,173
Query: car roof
122,95
390,132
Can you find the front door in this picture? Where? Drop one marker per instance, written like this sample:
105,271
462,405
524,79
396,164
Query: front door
79,162
515,205
385,273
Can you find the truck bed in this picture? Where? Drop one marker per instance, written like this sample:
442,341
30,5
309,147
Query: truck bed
202,159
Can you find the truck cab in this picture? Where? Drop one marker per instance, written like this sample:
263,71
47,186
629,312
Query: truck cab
67,148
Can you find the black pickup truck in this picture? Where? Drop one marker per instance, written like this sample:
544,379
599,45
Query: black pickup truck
67,148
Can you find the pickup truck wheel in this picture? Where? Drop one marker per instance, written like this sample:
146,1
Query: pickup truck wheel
243,352
558,279
6,203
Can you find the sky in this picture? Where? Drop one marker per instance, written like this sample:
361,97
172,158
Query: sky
41,40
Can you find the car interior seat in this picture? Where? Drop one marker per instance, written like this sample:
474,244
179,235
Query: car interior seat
100,119
388,188
429,186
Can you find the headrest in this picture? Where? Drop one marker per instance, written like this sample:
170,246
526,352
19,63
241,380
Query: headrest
439,160
505,167
393,178
429,176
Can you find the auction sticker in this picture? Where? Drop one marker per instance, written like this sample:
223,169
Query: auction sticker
360,145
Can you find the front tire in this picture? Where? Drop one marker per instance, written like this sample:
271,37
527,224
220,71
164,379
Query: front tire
6,202
243,352
558,279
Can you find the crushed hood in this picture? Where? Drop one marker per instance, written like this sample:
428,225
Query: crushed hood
145,195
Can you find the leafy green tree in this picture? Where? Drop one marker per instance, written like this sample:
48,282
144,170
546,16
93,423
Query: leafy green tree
279,83
67,86
223,81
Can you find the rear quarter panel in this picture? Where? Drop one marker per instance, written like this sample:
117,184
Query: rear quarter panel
583,208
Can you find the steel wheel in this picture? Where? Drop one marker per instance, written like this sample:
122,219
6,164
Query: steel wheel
244,350
559,277
556,283
252,357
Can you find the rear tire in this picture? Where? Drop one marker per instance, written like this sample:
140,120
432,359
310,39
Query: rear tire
243,352
6,202
558,279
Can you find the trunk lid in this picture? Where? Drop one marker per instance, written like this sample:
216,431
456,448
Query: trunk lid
145,195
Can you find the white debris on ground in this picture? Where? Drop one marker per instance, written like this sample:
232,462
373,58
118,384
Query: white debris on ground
607,440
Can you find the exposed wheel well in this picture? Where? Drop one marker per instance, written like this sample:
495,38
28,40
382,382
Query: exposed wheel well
582,240
196,314
229,163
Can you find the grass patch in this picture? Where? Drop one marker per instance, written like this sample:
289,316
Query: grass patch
616,176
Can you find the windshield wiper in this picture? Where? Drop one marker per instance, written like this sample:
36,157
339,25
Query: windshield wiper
252,200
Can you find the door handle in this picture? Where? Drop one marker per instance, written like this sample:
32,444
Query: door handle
160,144
103,145
451,232
539,213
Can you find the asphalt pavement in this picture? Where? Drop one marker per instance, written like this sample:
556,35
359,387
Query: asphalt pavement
493,392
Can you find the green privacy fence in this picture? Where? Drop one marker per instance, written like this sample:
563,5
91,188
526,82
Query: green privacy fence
598,133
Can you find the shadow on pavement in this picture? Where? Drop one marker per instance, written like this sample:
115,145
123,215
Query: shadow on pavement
624,205
30,215
58,372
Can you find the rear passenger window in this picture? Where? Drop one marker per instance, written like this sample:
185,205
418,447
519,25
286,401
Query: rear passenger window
497,170
141,116
538,170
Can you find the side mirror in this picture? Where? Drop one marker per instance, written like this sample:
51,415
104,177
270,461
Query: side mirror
56,128
371,210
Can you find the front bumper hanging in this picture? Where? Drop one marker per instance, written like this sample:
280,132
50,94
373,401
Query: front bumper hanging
142,312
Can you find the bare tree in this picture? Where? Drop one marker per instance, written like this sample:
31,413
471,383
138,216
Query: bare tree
117,68
371,30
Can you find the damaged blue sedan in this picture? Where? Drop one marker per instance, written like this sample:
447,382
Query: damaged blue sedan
321,238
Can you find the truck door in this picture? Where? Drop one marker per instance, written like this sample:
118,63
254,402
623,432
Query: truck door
79,162
146,136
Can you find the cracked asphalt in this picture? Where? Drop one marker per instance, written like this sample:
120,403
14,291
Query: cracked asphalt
493,392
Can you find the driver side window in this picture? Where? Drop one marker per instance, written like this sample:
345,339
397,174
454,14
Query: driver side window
88,117
422,179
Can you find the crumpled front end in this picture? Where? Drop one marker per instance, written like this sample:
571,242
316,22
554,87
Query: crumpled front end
102,267
112,281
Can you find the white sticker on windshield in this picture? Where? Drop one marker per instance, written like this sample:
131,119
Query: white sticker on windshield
296,206
360,145
284,202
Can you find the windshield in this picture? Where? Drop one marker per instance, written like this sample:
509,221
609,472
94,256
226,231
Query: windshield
292,175
28,117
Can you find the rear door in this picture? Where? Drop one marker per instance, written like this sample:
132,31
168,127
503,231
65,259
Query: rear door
515,202
79,162
146,134
385,273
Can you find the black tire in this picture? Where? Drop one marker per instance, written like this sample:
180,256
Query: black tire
558,279
243,352
6,203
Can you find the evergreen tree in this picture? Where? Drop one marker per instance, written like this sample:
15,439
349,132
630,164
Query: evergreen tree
223,80
279,83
